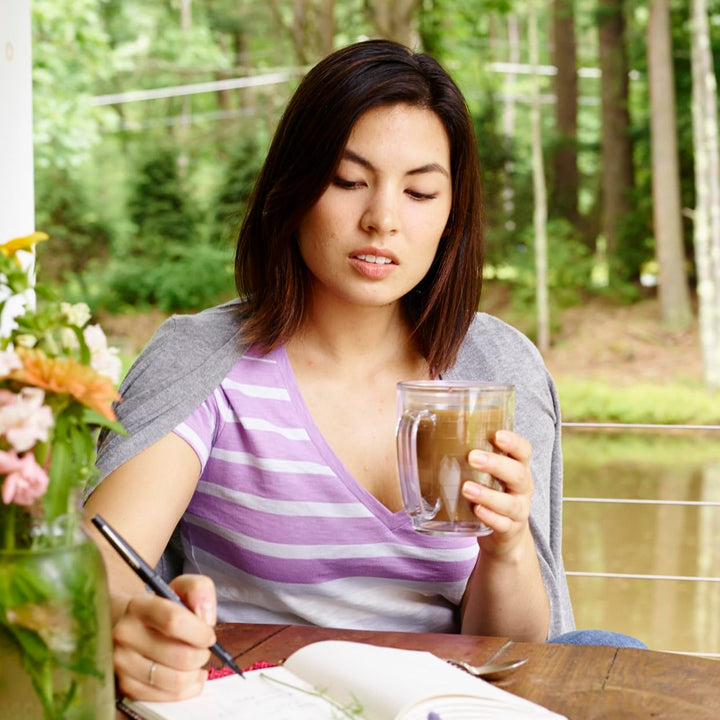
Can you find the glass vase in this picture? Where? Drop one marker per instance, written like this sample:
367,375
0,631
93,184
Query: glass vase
55,632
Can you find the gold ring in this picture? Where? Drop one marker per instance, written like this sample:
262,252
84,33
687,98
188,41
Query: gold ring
151,674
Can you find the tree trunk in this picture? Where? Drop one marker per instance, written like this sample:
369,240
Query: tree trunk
707,191
327,26
675,311
312,29
508,118
566,178
617,171
183,132
394,19
539,191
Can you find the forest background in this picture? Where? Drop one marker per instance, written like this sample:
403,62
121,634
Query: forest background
152,120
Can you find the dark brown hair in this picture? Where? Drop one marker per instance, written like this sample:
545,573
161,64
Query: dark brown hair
300,164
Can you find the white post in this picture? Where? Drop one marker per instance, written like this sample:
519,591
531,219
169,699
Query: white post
17,198
16,151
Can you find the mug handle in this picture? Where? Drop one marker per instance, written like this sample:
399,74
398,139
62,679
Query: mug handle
406,437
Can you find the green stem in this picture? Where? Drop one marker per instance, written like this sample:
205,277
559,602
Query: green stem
9,543
350,711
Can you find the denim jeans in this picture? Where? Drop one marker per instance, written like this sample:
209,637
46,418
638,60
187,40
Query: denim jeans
598,637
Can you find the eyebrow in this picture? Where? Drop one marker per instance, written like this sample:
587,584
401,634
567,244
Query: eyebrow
428,168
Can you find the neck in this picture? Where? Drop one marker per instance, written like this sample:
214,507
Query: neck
348,335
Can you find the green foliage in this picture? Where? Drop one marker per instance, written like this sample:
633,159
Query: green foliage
496,156
65,212
70,57
87,163
63,652
240,175
570,267
581,447
189,277
672,403
159,207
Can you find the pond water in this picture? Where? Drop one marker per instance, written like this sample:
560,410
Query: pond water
665,523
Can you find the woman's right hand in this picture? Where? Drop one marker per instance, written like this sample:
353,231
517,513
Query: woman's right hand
159,647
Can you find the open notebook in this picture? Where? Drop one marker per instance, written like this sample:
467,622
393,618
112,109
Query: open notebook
336,679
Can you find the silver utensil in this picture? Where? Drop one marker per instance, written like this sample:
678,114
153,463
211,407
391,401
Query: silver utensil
490,671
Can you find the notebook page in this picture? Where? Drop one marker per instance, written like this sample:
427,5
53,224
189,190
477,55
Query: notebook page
389,682
254,697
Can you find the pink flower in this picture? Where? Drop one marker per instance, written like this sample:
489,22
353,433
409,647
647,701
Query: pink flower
23,418
9,361
25,480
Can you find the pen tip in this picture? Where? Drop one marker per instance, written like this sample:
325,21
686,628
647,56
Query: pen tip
233,666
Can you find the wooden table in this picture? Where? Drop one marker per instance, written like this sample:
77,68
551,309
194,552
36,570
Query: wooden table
580,682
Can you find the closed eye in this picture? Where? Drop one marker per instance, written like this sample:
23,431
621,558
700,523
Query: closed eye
348,184
421,196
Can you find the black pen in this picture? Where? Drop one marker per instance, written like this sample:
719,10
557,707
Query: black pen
153,580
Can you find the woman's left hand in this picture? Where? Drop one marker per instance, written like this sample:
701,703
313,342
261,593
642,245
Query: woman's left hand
506,512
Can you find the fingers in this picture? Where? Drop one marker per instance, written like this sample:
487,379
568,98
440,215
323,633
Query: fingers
512,468
150,619
198,593
503,511
145,679
161,646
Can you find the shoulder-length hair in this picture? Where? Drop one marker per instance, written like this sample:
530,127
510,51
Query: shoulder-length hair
301,163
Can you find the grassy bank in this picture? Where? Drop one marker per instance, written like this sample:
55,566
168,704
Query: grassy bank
673,403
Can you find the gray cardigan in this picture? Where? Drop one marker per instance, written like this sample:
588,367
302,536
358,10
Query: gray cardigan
190,355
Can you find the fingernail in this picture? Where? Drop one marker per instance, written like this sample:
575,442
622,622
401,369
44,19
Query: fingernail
502,436
478,458
207,612
472,490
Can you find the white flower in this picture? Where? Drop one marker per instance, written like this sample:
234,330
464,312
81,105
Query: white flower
68,339
77,314
103,359
9,361
28,341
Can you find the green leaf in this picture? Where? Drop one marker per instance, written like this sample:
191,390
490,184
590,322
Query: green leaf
93,417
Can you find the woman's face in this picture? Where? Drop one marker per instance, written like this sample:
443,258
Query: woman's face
373,234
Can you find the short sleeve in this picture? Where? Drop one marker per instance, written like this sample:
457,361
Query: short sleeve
201,427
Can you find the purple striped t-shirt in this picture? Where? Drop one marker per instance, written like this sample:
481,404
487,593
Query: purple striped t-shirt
288,535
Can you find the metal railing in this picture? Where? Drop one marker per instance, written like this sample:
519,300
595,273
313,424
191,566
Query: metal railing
647,577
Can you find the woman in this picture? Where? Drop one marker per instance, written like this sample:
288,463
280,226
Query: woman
265,427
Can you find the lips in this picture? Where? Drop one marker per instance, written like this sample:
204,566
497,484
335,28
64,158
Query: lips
373,263
377,259
374,255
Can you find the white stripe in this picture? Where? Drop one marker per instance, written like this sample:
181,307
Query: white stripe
365,603
259,359
229,415
296,467
193,439
284,507
238,580
226,412
257,391
286,551
250,423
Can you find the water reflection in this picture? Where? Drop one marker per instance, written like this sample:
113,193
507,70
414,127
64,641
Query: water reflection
639,538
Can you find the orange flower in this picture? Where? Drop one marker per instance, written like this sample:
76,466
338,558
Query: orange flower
67,376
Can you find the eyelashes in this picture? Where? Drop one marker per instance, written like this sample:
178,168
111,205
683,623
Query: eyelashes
352,185
347,184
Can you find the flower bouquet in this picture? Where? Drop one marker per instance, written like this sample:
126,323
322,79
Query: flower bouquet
58,381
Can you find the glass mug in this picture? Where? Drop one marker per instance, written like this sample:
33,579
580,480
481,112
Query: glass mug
439,422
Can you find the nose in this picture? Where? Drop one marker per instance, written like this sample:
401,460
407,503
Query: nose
381,214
